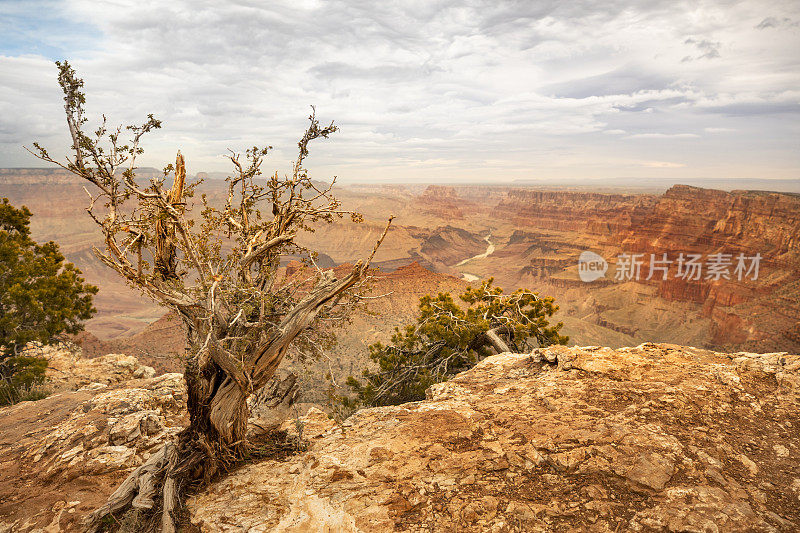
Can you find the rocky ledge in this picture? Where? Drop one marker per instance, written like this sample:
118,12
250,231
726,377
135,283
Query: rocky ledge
653,438
62,456
69,369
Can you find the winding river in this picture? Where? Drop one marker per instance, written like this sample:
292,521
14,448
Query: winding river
489,251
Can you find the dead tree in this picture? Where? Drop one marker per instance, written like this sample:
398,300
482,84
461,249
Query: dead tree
219,271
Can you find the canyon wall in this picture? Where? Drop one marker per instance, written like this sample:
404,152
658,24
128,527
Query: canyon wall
536,237
551,228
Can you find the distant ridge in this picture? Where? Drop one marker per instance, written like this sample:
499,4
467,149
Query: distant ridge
789,185
32,175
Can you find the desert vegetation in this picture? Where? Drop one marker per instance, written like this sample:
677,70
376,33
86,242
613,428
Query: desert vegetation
41,297
449,338
218,270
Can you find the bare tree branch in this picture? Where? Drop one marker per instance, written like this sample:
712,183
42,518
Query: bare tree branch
218,269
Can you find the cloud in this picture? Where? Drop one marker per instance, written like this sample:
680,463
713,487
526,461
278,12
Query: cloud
438,89
783,103
626,80
662,164
663,136
708,49
774,22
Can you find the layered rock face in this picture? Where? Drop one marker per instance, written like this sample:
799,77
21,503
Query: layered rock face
760,313
571,211
750,312
448,245
538,236
652,438
443,202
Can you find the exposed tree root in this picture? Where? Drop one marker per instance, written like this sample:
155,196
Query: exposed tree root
148,483
169,492
156,489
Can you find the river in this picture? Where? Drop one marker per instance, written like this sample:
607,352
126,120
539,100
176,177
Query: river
489,251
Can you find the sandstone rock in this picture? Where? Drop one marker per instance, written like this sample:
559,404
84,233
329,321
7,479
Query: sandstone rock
748,463
114,427
313,425
652,470
642,439
68,370
795,487
699,508
62,456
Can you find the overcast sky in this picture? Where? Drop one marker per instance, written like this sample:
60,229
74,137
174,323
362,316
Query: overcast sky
423,90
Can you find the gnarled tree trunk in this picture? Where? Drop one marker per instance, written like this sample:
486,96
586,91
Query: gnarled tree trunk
218,271
218,412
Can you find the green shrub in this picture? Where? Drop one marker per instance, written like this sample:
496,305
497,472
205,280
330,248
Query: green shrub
22,379
41,297
449,338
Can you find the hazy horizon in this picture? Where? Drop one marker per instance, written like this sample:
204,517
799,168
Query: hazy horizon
642,184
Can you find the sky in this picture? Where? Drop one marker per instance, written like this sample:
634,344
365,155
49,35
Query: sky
435,90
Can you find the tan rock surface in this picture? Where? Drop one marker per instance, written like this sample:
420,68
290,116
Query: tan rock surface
653,438
62,456
68,370
658,437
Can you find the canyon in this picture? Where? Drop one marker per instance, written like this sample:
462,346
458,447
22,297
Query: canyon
537,236
674,392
